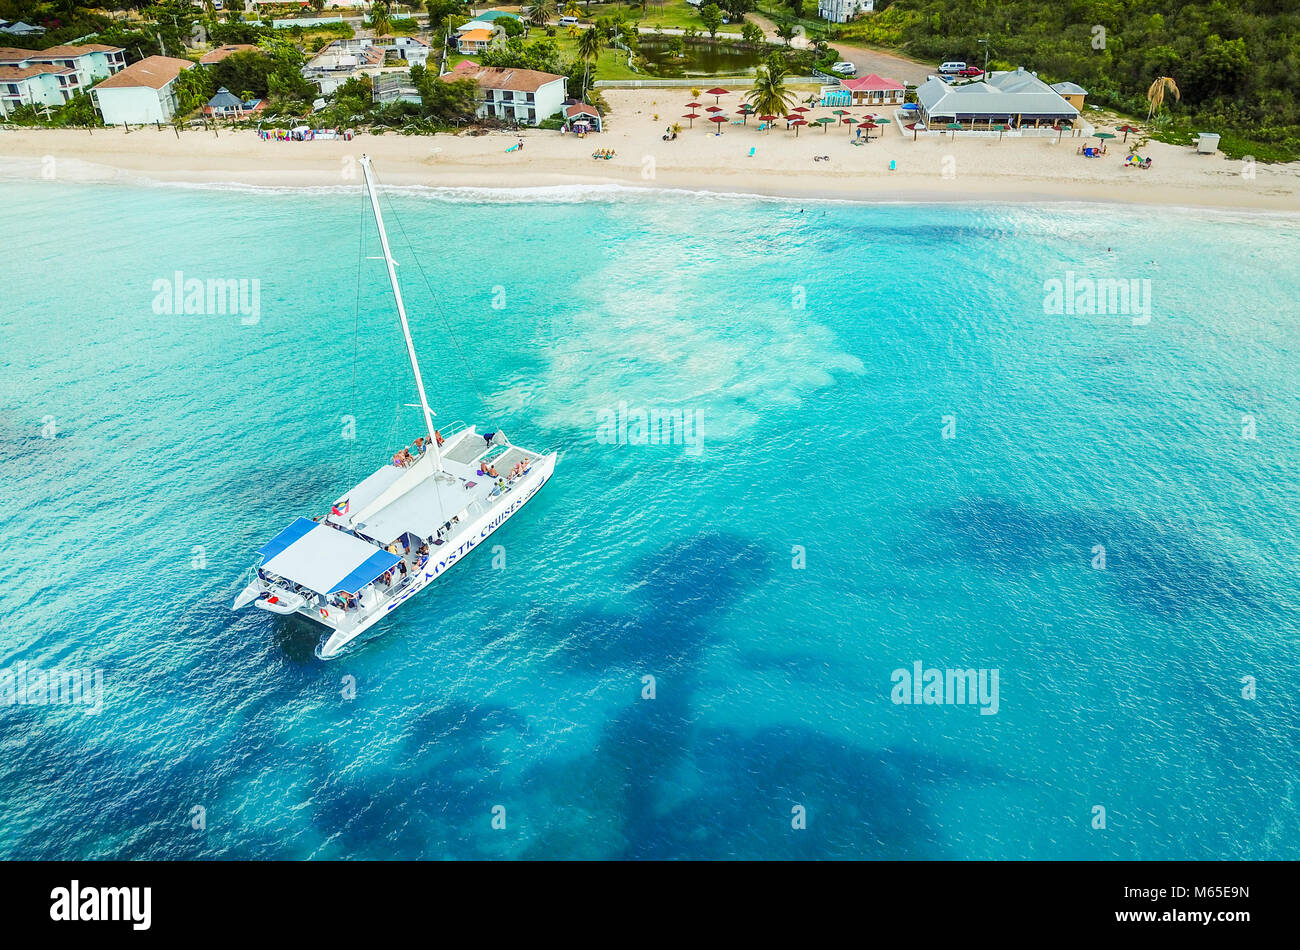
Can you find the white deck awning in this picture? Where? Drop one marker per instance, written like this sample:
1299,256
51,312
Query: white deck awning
324,559
424,509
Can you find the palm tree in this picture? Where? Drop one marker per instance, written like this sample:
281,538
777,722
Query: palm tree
380,21
769,94
541,11
588,51
1156,94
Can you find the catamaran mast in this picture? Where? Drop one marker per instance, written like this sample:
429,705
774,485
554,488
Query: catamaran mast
401,313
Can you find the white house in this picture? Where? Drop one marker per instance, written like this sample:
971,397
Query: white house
143,92
525,96
342,60
410,48
841,11
53,76
39,85
90,62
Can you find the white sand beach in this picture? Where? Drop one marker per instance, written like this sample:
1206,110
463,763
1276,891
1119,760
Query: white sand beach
964,167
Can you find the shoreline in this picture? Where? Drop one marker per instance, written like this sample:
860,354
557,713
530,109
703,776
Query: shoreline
594,189
742,161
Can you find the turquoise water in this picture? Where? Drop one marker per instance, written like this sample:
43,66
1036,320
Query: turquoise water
820,349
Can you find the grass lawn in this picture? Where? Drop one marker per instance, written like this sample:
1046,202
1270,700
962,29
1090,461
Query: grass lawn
670,14
611,64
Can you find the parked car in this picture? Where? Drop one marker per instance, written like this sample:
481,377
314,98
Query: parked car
844,69
568,21
971,71
952,68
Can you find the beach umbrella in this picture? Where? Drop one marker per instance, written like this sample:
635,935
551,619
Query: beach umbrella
848,120
692,116
954,127
693,105
1126,129
1105,135
868,125
1001,129
746,110
802,109
825,121
716,93
713,109
719,119
796,123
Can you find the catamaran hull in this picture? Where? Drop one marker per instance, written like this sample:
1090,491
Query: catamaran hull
445,556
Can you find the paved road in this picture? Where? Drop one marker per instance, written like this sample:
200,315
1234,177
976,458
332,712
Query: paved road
885,64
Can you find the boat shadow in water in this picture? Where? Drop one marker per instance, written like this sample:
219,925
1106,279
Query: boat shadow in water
295,637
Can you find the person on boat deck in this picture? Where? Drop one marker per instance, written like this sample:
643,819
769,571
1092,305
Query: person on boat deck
438,435
419,446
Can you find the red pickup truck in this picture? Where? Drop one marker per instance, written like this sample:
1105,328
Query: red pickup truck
971,71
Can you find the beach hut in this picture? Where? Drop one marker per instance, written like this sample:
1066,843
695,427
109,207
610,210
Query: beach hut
583,117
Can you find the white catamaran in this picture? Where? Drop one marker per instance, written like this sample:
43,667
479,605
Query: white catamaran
390,536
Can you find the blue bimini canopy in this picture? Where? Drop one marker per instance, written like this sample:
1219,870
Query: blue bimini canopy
324,559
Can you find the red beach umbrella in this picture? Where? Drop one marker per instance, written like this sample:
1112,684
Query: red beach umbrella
796,123
713,109
692,116
718,120
717,92
694,105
